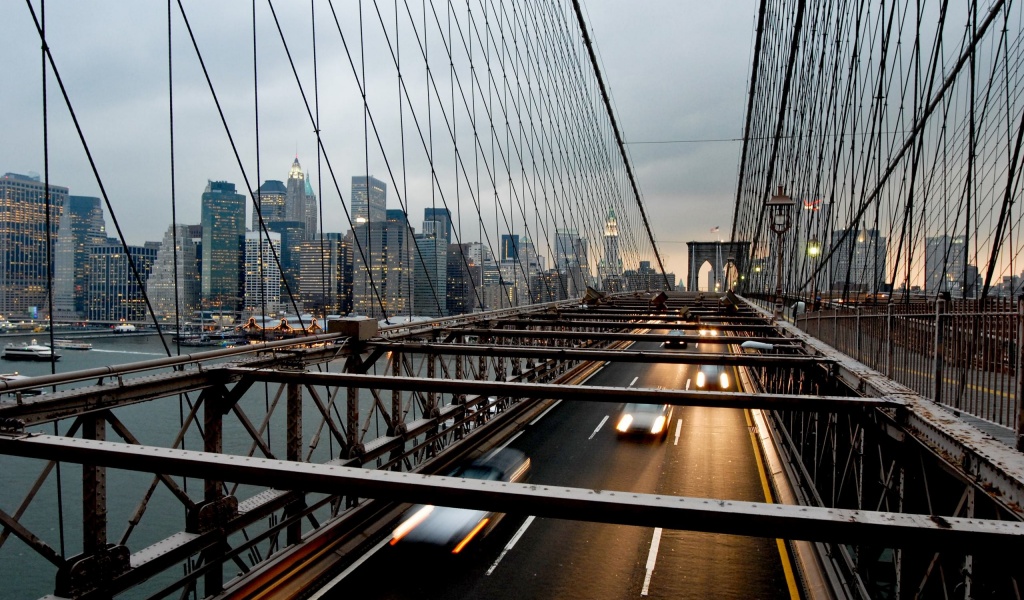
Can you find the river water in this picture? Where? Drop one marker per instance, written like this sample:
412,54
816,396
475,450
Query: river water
24,573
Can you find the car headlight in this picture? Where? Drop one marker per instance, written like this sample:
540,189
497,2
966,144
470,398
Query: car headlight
700,379
659,424
411,523
723,379
624,423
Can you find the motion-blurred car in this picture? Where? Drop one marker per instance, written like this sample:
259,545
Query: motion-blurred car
706,332
454,528
712,377
644,420
676,341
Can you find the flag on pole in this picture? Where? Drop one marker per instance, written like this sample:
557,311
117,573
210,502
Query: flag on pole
714,229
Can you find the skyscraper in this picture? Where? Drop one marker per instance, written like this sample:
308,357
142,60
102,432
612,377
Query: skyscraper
300,200
272,200
293,234
23,241
369,200
509,248
612,260
174,289
321,264
114,292
460,290
81,226
369,206
262,277
399,292
858,263
431,275
442,223
223,221
945,265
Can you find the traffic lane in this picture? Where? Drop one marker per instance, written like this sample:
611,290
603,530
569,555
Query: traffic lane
569,446
714,458
576,559
569,559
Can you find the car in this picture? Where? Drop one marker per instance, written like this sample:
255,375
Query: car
426,525
712,377
644,420
676,342
706,332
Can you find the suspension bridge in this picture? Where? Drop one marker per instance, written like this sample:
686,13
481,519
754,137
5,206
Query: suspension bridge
841,418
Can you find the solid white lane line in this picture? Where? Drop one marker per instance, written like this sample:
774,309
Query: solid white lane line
598,427
544,414
634,381
687,383
325,590
651,557
511,542
679,428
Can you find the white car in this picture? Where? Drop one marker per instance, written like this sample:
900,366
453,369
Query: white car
644,420
676,341
712,377
454,528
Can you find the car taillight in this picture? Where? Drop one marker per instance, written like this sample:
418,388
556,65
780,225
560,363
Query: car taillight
472,534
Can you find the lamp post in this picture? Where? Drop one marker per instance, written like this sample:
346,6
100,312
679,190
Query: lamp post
778,207
813,251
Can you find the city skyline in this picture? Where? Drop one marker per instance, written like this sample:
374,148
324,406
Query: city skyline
226,264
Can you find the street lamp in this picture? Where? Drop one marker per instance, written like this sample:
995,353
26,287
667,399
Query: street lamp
778,207
813,252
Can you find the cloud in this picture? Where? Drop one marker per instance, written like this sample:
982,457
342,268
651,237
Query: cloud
677,71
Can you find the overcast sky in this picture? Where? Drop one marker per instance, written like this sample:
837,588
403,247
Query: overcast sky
677,71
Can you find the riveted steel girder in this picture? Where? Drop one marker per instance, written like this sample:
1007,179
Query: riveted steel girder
626,508
576,392
681,358
615,336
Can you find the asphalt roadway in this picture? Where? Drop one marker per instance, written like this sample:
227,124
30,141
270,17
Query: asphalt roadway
708,453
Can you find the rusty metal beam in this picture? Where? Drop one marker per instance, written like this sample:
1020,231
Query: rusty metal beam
618,337
682,358
625,508
578,392
655,323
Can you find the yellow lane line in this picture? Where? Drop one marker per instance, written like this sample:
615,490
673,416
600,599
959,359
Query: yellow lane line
787,566
947,380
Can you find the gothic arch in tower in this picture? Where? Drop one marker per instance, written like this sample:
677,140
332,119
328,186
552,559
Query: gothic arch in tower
720,255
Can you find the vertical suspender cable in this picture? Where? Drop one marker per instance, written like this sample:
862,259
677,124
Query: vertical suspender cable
49,262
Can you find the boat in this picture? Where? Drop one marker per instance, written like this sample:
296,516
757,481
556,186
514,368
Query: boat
212,339
31,351
72,344
16,377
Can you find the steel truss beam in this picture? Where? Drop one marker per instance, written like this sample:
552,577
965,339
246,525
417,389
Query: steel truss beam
674,323
682,358
608,336
625,508
574,392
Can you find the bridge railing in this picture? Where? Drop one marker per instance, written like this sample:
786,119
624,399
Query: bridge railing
962,355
